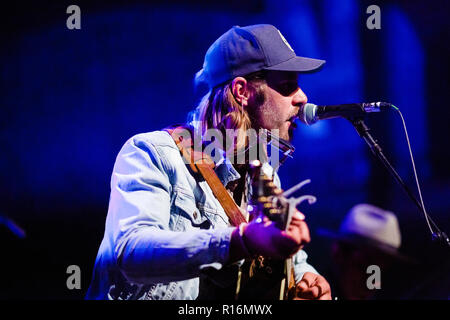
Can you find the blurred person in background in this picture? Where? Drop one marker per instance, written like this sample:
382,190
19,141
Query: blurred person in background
363,252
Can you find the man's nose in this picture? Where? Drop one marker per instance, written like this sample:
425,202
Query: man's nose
299,98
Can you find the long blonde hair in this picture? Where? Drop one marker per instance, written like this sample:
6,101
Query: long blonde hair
219,109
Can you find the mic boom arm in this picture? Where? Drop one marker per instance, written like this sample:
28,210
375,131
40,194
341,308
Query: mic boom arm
364,133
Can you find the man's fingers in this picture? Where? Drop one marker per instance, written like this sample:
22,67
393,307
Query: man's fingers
303,286
313,292
326,296
305,232
310,293
324,290
313,286
306,283
321,282
298,216
309,277
325,293
299,231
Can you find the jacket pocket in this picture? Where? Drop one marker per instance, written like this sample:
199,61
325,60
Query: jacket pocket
218,217
189,216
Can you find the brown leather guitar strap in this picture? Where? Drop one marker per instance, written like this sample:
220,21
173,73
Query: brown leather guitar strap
201,163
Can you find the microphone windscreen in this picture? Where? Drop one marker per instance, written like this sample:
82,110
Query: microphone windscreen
308,114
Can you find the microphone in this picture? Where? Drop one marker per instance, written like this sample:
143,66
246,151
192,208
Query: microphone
311,113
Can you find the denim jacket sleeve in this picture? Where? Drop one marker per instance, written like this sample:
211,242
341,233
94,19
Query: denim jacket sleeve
145,248
301,266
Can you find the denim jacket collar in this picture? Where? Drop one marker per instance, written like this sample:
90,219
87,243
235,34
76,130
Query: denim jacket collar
226,171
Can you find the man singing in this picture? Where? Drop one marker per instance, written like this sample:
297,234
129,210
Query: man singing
167,236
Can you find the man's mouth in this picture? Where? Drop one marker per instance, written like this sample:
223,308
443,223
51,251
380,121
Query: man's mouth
292,120
291,125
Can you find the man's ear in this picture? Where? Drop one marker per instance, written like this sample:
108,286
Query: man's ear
239,89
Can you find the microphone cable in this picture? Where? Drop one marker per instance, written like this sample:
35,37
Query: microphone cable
424,211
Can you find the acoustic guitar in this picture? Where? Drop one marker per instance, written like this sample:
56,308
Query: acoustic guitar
261,277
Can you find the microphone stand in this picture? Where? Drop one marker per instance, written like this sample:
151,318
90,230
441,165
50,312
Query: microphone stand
363,132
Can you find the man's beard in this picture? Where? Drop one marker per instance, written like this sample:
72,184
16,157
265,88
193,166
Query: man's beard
263,115
272,120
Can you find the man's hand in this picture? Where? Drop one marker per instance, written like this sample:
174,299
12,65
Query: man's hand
313,287
264,238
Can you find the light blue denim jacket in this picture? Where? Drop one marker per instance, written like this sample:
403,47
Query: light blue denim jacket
163,228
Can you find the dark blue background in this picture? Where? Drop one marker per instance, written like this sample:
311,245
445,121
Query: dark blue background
70,99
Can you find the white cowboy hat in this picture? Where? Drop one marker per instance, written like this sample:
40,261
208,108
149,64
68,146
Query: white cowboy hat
367,225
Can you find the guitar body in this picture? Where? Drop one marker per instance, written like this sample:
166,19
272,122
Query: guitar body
265,279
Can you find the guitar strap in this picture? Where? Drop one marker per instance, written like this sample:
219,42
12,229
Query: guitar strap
202,164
